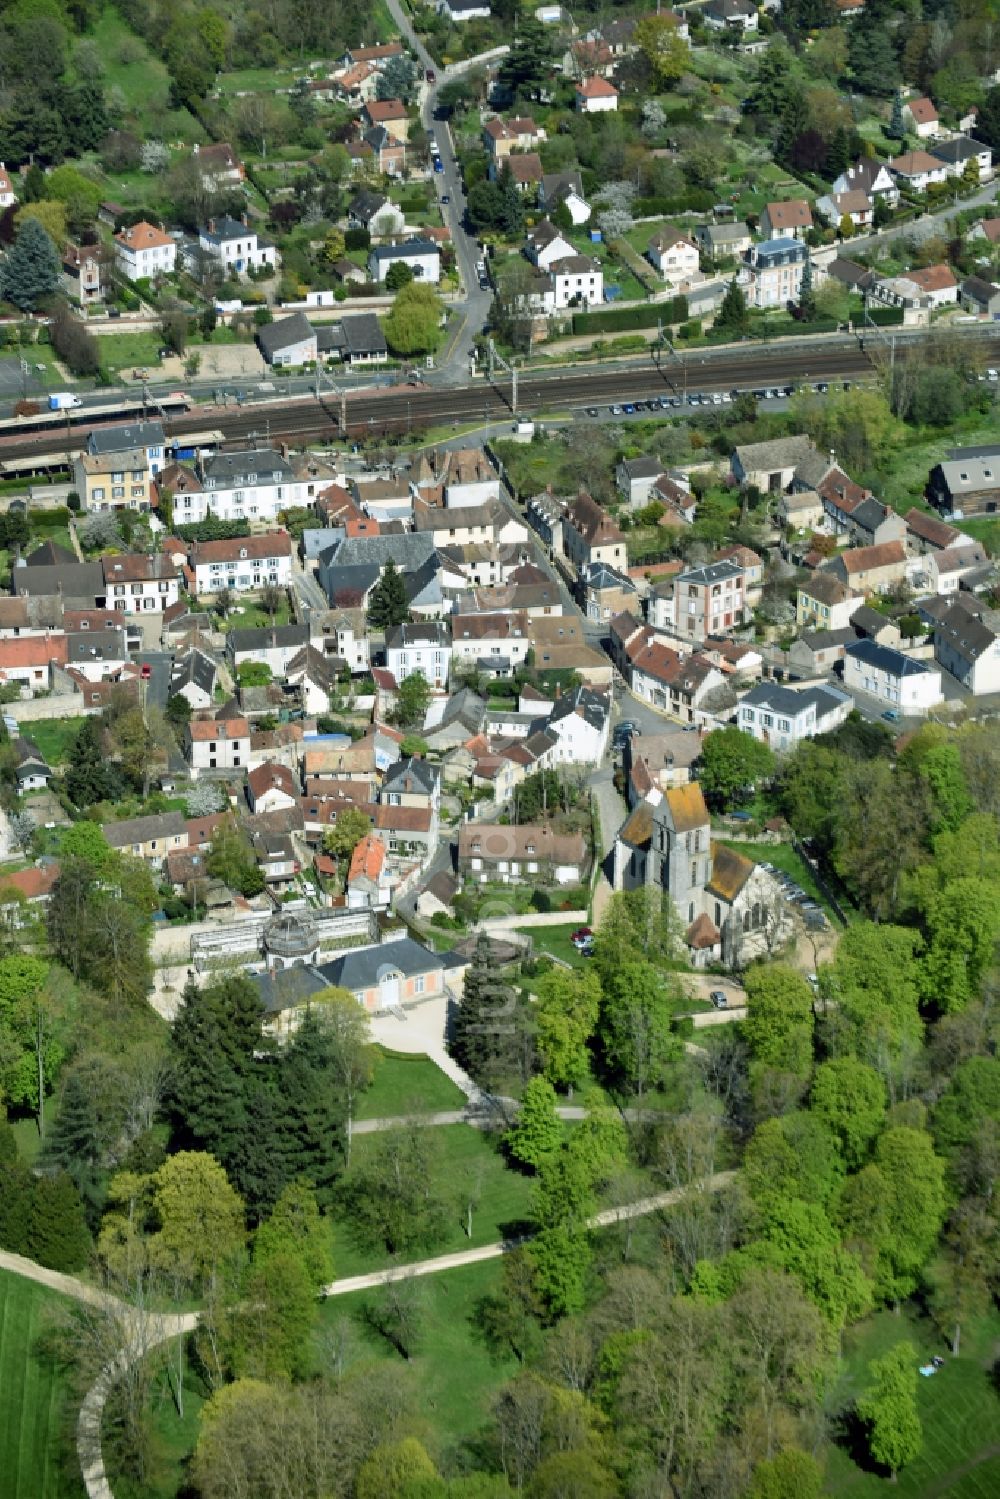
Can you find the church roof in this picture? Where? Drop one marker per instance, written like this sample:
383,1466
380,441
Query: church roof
730,872
638,827
703,933
687,807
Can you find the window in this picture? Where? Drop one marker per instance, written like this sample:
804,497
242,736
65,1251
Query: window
99,493
418,984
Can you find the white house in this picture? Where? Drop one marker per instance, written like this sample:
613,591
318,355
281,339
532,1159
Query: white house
147,436
193,678
781,716
289,341
594,96
421,255
730,15
137,584
918,170
674,255
143,251
253,485
635,478
545,245
458,11
902,682
423,647
922,117
870,176
774,272
243,564
217,744
581,721
237,247
959,151
576,281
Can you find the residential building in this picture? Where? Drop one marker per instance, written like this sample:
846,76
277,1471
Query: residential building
635,477
274,645
8,197
870,176
368,886
932,286
408,832
854,205
981,297
786,220
544,245
595,96
968,646
243,565
825,603
193,677
581,723
271,788
424,647
421,255
288,341
376,213
723,241
236,247
502,137
818,651
411,782
148,838
390,974
356,340
773,271
525,168
390,114
562,187
576,281
493,643
870,569
147,435
458,11
942,572
901,682
918,170
253,484
220,166
730,15
674,255
922,117
966,483
82,273
925,533
144,252
139,584
958,152
492,852
217,744
783,716
710,600
590,534
114,481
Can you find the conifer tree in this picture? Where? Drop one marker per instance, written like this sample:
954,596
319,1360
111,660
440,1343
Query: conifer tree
32,270
58,1236
388,605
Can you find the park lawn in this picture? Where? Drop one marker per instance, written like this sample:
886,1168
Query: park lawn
407,1084
959,1410
453,1369
53,736
466,1157
31,1412
554,940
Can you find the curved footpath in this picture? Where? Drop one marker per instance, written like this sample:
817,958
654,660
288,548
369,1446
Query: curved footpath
142,1332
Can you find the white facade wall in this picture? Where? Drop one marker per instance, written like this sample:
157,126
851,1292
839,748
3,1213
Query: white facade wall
433,660
912,695
144,598
242,575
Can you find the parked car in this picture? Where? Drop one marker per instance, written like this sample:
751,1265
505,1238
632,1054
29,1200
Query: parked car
719,1000
581,937
892,715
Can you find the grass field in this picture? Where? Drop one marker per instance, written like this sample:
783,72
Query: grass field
959,1410
143,80
407,1085
467,1163
31,1407
53,736
453,1370
554,940
123,352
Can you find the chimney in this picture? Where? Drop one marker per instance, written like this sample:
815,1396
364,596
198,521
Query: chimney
244,220
211,226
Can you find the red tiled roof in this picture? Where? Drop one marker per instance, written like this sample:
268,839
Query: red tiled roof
33,884
367,860
202,730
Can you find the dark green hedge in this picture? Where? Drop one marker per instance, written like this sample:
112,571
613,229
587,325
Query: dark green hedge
621,319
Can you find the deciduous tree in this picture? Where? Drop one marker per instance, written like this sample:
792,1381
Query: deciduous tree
888,1408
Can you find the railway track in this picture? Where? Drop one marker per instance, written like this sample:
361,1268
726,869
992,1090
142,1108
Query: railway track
398,410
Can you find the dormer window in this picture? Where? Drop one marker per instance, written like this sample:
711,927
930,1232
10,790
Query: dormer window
243,552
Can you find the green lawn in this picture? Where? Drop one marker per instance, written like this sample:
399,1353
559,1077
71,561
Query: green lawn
405,1084
53,736
249,616
959,1409
554,940
143,80
31,1409
985,528
120,353
454,1371
466,1159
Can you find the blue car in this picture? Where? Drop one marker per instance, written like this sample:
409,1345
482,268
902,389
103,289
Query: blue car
438,164
628,408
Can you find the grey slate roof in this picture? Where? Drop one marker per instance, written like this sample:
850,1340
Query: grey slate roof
406,249
883,658
79,580
144,829
362,335
424,776
251,466
267,636
120,439
407,551
284,334
365,966
195,669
